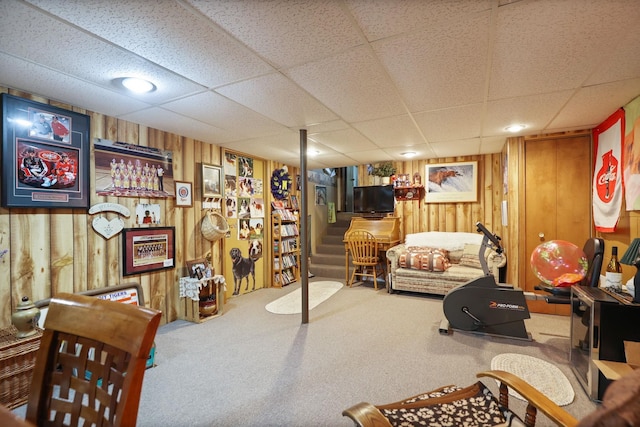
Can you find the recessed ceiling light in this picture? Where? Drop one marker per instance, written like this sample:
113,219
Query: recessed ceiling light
137,85
408,153
514,128
312,152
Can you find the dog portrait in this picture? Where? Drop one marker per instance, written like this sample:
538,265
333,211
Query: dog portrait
245,167
231,210
257,228
230,189
244,230
243,209
256,207
255,249
242,268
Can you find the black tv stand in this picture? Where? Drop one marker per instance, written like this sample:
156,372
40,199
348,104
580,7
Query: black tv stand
600,324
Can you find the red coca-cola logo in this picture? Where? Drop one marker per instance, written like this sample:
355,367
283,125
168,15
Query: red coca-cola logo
607,177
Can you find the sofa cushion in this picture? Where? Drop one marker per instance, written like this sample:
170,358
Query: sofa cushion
450,241
470,256
425,259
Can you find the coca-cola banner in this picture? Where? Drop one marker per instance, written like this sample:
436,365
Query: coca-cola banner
631,155
607,179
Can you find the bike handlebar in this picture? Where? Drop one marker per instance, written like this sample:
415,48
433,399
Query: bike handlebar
494,238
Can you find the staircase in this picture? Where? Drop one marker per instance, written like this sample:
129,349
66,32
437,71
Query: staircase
328,259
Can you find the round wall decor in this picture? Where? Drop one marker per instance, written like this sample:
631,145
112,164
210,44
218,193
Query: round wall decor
280,184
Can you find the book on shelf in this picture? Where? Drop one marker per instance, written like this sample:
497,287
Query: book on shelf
294,202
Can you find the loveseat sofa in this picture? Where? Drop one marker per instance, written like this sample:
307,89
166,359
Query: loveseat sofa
435,262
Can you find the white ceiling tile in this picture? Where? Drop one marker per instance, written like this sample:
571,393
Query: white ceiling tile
363,77
171,36
535,112
286,32
439,67
345,141
466,147
368,156
352,84
382,19
492,144
30,77
451,123
278,98
391,131
580,111
99,62
168,121
536,40
422,151
326,127
219,111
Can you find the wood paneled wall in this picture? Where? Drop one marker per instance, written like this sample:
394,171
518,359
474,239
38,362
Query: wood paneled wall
56,250
417,216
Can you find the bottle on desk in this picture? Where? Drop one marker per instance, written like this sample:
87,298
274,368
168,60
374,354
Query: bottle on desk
613,274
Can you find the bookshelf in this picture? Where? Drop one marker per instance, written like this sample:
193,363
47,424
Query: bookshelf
285,239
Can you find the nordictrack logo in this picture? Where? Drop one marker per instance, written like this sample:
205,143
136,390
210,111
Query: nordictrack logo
504,306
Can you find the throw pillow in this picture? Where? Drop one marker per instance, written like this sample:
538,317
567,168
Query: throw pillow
426,259
470,256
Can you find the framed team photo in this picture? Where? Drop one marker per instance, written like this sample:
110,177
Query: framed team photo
147,249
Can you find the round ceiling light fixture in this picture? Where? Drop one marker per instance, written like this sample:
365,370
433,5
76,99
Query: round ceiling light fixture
409,154
137,85
514,128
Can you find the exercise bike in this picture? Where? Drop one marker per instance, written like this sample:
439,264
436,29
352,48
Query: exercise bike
483,306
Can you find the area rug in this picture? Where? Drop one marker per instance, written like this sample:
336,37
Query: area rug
542,375
291,303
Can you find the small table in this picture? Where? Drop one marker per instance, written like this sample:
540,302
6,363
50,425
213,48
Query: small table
189,295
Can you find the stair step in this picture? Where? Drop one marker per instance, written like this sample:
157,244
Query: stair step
331,271
333,240
328,258
330,249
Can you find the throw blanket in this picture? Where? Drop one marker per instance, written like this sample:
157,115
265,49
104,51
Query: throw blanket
424,258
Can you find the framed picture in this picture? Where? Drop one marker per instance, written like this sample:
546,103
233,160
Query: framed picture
147,249
321,195
199,268
211,181
45,155
184,193
452,182
148,214
128,170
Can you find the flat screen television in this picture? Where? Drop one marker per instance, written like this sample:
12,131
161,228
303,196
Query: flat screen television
373,199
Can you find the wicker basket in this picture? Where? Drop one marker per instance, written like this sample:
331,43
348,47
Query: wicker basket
17,360
214,226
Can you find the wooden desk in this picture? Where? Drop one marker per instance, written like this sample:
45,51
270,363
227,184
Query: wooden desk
386,231
9,419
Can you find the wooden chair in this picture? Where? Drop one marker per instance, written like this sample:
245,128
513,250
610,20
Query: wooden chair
366,259
91,362
620,406
367,415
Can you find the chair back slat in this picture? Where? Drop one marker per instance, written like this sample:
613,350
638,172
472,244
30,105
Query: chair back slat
91,362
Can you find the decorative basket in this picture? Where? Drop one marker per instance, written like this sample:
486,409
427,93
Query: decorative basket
17,360
214,226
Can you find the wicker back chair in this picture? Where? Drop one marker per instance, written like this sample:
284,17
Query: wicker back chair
91,362
365,254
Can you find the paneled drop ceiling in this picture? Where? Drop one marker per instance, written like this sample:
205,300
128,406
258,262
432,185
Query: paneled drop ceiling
368,79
